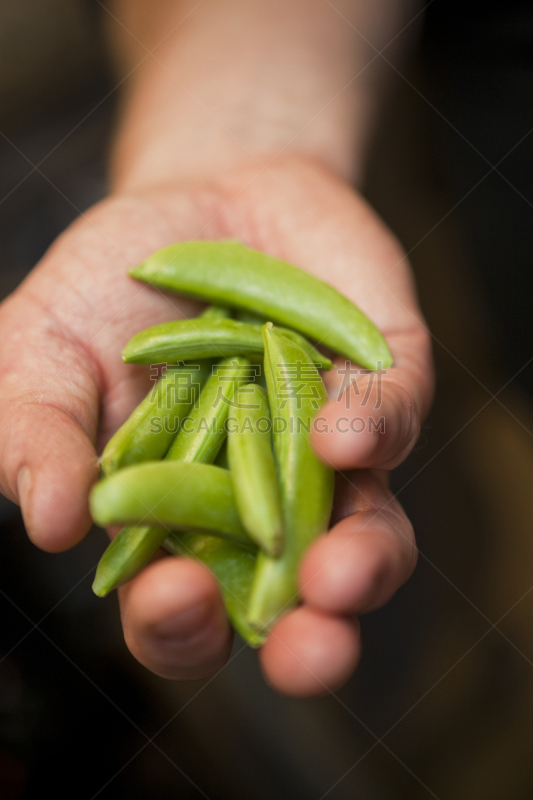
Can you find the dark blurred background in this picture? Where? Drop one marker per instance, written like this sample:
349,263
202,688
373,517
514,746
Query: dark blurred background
441,704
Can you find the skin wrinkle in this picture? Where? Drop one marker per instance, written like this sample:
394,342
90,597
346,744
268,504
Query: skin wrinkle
347,502
378,589
53,406
410,418
207,199
141,630
81,414
381,506
90,365
14,450
9,487
409,430
154,198
164,664
188,640
189,673
396,521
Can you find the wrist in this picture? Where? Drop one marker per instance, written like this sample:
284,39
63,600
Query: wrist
213,144
243,85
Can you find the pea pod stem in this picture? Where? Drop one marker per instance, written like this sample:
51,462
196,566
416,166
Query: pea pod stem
228,273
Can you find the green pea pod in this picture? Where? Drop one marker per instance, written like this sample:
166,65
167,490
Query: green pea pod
129,553
147,433
204,430
230,274
233,568
149,430
190,339
295,393
134,547
253,470
171,494
200,438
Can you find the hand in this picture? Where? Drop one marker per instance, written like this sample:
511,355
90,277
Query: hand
64,391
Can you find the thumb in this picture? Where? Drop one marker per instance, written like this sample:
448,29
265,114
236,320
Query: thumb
48,418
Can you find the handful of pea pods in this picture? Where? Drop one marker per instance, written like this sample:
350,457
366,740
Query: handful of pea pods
216,463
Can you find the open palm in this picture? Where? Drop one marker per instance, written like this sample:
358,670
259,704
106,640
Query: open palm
64,391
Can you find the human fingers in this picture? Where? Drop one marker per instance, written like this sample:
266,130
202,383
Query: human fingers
174,620
48,419
310,652
366,556
374,419
358,566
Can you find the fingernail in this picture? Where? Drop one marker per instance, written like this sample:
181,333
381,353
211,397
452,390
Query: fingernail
24,486
185,623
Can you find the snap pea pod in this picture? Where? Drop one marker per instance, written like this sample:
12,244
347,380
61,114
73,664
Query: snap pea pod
306,483
188,339
200,438
228,273
253,470
233,568
149,430
127,555
147,433
145,436
204,430
172,494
